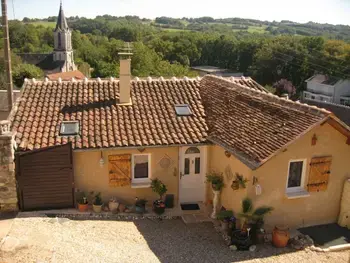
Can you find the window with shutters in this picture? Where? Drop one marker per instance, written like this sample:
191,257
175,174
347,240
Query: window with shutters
320,170
296,175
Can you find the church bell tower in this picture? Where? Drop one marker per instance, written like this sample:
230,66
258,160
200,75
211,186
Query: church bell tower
63,51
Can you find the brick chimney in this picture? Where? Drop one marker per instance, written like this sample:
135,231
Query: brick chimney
124,82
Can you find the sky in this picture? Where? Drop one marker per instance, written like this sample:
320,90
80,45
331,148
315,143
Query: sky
322,11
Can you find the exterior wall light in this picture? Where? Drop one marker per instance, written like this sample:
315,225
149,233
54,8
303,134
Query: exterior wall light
102,161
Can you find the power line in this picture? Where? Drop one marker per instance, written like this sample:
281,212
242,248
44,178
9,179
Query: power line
315,65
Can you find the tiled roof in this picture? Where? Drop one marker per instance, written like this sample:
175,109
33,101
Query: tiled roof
150,120
251,124
66,75
341,111
237,114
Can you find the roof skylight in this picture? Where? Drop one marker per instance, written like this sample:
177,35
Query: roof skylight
183,110
69,128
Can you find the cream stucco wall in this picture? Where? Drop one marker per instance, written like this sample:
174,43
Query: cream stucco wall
319,207
229,166
89,176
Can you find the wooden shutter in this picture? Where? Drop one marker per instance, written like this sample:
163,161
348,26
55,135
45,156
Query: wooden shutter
119,169
320,169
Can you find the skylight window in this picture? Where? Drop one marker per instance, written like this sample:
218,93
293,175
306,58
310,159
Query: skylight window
69,128
183,110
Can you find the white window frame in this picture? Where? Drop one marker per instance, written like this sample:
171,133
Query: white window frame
302,179
141,180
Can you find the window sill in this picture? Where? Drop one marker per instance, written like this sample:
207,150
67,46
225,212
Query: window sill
142,184
297,194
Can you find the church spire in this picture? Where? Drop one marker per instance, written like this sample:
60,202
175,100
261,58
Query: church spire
61,21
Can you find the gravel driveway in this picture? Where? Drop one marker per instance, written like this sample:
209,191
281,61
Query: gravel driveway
38,239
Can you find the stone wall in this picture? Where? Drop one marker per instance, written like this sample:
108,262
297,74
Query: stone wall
8,192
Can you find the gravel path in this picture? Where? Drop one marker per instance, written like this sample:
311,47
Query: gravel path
48,240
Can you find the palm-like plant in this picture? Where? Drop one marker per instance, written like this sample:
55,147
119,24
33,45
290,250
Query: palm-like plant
253,216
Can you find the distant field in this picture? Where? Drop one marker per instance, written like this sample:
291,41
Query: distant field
256,29
173,29
44,23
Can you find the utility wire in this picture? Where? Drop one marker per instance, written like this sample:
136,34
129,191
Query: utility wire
309,56
315,65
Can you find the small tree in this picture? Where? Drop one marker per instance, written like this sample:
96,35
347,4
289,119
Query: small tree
22,71
158,187
284,86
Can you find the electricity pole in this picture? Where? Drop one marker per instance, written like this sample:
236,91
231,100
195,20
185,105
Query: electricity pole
7,54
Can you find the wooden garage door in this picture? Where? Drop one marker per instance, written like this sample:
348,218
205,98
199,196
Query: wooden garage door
45,178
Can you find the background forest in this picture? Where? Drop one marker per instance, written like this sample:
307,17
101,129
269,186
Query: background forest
266,51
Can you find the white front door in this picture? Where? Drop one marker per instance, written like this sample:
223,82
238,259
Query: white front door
192,174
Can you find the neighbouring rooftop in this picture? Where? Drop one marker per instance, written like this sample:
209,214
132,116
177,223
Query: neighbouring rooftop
324,79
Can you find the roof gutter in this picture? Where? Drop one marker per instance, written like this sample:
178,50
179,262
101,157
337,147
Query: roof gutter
139,147
240,156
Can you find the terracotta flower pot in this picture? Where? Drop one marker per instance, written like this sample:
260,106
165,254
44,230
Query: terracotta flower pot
113,205
83,207
97,208
280,236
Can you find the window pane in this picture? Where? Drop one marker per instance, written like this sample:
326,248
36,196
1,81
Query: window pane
140,166
295,172
187,166
197,165
182,110
69,128
192,150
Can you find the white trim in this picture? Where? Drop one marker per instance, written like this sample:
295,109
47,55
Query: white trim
299,194
302,179
203,168
141,180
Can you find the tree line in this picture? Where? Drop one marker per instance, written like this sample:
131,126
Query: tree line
158,52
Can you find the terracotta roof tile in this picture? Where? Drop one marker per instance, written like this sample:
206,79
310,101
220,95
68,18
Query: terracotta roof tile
253,124
66,75
150,120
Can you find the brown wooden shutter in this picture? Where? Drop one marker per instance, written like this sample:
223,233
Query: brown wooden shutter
119,169
320,169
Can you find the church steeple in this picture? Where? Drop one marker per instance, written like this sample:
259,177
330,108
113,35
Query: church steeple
61,21
63,50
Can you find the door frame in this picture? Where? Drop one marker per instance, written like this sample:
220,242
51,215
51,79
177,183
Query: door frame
204,166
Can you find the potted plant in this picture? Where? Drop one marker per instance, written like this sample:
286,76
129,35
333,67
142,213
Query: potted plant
239,182
216,180
253,219
159,206
159,188
140,205
113,204
226,217
97,203
82,201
